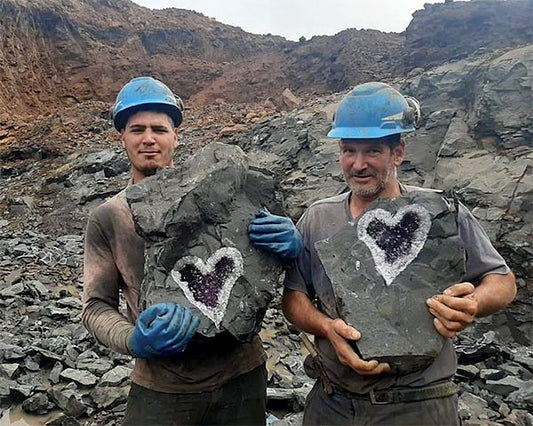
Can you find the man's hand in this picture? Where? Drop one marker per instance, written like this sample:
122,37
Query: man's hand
454,310
162,330
276,234
338,333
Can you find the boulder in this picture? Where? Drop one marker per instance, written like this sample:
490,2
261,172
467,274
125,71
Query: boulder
384,265
194,220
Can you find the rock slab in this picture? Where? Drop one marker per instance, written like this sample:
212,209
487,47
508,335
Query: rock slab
194,220
383,267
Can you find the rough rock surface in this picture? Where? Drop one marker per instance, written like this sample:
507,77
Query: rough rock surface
385,265
456,29
194,220
476,138
57,53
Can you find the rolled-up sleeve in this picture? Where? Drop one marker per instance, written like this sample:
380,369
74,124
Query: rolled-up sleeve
298,275
481,256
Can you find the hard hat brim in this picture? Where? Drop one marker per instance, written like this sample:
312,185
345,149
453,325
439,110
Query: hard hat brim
122,117
365,132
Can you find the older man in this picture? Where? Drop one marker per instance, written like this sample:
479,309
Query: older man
369,122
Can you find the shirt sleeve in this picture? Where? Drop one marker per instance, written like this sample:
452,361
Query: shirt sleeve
101,292
481,256
297,276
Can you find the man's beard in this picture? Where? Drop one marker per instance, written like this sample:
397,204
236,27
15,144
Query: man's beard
374,190
149,170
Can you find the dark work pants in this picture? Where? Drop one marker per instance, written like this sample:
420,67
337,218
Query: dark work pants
241,401
340,409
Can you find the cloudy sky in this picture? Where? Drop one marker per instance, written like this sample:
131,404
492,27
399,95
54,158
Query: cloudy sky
295,18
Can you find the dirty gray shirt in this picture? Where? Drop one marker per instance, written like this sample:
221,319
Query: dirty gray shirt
114,264
324,219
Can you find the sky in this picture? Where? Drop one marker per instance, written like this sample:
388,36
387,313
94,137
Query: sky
295,18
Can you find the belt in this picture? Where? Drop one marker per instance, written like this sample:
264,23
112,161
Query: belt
403,394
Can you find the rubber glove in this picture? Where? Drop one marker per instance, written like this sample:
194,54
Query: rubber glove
162,330
276,234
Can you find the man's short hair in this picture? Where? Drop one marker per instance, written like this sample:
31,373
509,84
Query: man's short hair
391,140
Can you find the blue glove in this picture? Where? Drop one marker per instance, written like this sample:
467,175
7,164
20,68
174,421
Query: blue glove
276,234
162,330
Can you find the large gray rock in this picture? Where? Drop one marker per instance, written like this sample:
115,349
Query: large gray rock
474,407
441,32
194,220
477,138
384,265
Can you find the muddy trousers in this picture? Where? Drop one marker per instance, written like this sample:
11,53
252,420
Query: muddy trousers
241,401
340,409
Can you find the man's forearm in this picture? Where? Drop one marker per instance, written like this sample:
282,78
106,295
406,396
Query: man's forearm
494,293
301,312
107,325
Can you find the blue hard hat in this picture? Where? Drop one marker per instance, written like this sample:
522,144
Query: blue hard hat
374,110
145,94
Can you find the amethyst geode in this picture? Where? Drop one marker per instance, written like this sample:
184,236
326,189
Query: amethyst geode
194,221
385,264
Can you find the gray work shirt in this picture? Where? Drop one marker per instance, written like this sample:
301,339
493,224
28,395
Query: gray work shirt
324,219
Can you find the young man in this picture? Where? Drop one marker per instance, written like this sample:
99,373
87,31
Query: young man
175,381
369,122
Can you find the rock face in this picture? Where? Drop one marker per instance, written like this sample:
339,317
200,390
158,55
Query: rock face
57,53
454,30
60,52
320,65
385,265
476,138
194,220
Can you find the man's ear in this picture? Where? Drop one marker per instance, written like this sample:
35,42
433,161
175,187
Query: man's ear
175,137
122,142
399,153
